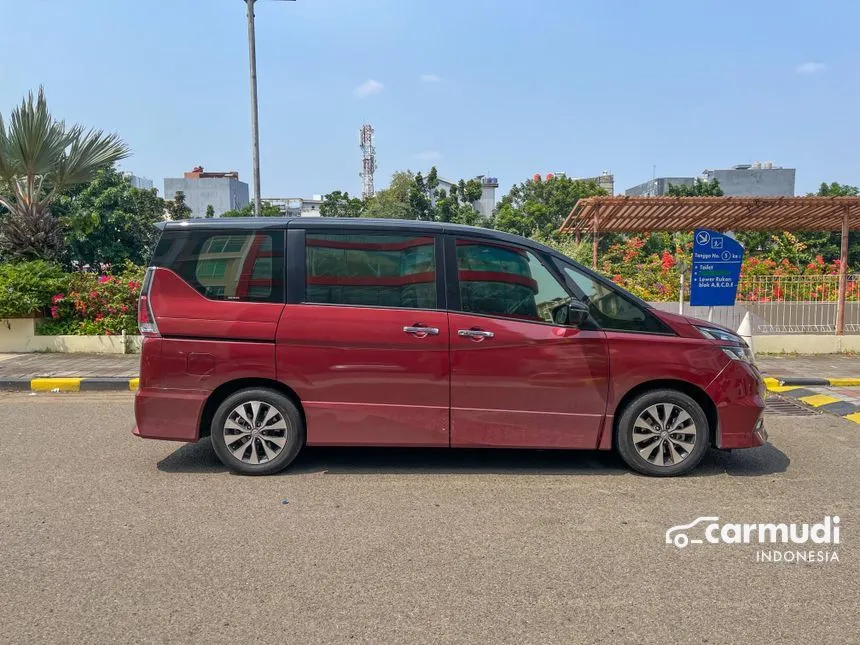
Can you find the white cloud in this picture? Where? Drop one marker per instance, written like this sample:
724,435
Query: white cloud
810,68
428,155
367,88
430,78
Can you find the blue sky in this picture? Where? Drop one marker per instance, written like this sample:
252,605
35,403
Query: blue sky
473,86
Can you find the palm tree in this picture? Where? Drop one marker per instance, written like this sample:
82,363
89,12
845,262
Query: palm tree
39,158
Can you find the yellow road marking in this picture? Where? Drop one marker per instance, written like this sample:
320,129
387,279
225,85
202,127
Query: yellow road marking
817,400
782,388
854,416
133,384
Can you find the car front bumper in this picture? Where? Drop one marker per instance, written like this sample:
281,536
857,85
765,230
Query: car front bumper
738,393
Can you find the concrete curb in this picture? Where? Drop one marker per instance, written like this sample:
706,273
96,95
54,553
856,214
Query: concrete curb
794,388
70,384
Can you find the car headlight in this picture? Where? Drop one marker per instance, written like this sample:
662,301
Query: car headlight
739,354
719,334
739,351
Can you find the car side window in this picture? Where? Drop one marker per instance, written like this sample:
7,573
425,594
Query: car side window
611,310
507,281
238,265
380,270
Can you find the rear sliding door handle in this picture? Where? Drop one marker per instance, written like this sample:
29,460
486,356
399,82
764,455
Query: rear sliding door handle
422,332
475,333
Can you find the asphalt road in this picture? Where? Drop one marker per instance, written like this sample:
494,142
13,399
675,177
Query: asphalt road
106,538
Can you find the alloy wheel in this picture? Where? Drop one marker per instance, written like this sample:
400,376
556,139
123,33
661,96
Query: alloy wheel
255,432
664,434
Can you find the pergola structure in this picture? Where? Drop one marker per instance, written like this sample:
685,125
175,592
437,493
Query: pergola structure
596,215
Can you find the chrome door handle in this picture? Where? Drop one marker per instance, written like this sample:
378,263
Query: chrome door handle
425,331
475,333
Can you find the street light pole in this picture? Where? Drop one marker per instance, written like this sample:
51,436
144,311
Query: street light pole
255,125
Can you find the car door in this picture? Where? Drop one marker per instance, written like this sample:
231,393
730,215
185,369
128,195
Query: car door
365,344
517,378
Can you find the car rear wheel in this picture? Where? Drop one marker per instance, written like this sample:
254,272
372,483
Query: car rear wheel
257,431
662,433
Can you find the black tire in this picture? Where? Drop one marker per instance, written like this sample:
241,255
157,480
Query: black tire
630,447
261,440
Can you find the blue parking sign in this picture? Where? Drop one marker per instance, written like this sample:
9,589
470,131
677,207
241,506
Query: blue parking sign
717,260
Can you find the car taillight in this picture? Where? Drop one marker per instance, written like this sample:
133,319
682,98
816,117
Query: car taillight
145,317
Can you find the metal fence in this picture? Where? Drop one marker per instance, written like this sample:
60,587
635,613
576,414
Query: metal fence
798,304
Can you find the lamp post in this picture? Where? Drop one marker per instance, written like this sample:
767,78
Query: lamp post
255,124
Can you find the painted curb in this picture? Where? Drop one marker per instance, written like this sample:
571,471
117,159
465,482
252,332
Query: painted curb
70,384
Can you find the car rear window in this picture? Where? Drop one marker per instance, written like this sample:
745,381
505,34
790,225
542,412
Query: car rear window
226,265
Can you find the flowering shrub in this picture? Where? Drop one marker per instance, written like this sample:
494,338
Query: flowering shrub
97,303
655,275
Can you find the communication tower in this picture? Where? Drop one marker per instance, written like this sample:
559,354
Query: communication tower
368,161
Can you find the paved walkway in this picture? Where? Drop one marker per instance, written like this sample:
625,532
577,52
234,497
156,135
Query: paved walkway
824,366
126,365
26,366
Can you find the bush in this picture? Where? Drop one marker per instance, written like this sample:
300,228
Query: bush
97,304
26,287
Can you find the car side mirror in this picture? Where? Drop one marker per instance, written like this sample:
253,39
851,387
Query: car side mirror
572,313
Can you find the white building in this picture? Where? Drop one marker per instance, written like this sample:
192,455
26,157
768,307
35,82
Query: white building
297,206
221,190
138,182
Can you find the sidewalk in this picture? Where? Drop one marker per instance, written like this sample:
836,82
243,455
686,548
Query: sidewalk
818,367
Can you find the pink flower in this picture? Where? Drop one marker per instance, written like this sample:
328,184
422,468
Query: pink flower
104,278
57,298
55,312
94,294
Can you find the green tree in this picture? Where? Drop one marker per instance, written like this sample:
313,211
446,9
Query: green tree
210,211
419,198
836,189
414,196
340,204
267,209
109,220
177,208
392,202
700,188
40,157
537,207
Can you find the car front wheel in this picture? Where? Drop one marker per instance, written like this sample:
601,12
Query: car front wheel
662,433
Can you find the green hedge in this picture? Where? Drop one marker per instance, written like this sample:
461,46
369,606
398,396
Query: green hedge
26,288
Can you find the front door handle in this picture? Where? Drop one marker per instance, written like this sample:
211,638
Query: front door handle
475,333
421,332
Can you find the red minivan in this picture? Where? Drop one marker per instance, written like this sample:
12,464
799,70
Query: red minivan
271,334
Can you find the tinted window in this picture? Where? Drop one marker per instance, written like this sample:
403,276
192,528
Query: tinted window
247,266
371,270
506,281
610,309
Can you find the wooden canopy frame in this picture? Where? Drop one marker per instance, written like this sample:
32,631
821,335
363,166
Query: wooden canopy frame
598,215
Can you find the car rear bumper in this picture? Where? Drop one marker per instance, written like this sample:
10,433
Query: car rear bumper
739,396
172,415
